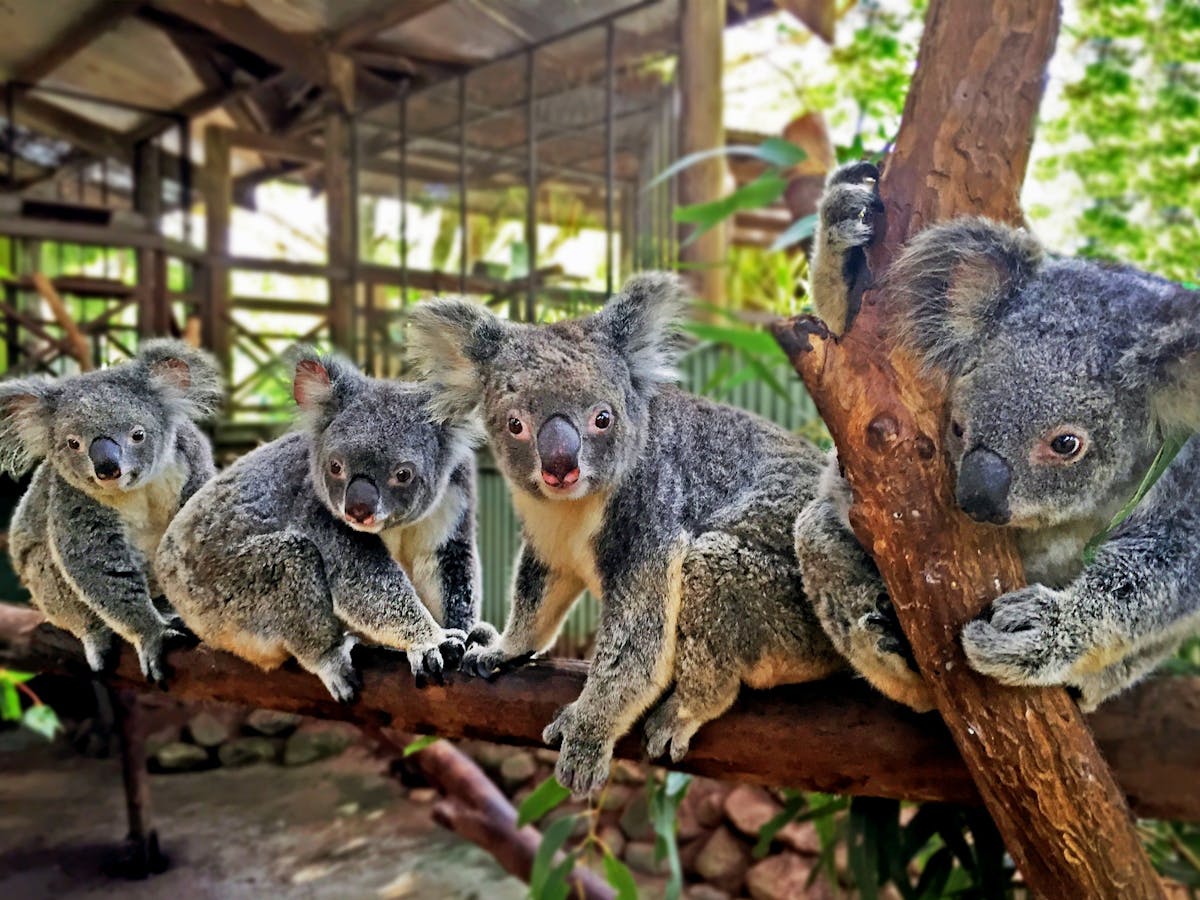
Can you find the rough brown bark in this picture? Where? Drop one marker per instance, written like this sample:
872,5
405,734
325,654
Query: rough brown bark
962,149
837,736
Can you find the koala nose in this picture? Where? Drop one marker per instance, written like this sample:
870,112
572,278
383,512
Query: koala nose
105,454
558,447
983,482
362,499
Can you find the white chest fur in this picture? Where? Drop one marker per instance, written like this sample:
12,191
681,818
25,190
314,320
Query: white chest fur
148,511
563,533
415,547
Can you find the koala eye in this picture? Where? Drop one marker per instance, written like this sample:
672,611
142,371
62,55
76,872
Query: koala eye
137,435
74,443
335,468
602,419
517,427
403,475
1067,445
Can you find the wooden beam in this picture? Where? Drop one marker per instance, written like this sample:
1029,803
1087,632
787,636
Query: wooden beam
341,207
381,16
277,146
82,32
218,211
837,736
80,348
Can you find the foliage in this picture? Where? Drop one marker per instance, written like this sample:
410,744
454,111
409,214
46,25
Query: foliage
37,716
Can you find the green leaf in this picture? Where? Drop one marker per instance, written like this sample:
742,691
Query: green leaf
556,886
11,676
773,151
10,702
42,720
863,847
761,192
620,877
665,798
553,839
934,876
545,797
800,230
767,833
420,744
743,337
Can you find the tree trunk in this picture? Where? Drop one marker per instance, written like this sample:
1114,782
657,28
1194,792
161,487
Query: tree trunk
962,149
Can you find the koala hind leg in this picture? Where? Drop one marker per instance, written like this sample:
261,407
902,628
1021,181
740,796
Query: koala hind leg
62,606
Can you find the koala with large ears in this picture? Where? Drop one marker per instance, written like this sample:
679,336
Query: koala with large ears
362,522
1065,379
674,511
120,454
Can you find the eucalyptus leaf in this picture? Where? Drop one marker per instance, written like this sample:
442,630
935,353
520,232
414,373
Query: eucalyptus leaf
553,839
545,797
43,720
419,744
619,876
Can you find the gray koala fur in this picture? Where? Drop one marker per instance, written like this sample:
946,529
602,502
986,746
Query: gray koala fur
120,453
1065,377
280,555
679,520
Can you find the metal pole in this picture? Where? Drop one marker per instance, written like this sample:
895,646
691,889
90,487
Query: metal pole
610,151
462,183
11,128
185,175
403,181
355,249
531,188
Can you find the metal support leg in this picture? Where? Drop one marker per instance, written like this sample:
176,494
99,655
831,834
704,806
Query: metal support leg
140,855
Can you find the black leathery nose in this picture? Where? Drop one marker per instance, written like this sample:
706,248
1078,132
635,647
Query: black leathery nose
105,454
984,479
362,498
558,445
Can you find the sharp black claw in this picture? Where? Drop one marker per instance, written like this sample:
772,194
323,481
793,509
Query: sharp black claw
421,681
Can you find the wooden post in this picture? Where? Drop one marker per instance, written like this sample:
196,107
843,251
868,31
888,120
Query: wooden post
76,339
141,854
962,149
340,208
701,127
218,211
153,310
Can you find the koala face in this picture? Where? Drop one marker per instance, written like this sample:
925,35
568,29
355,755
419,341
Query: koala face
109,431
379,459
565,406
1064,375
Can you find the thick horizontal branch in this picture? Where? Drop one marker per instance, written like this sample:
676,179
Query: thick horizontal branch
836,736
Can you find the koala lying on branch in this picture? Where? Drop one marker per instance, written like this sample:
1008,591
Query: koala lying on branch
361,523
121,453
676,512
1066,378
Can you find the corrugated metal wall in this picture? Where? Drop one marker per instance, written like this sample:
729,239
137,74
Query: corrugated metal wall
499,533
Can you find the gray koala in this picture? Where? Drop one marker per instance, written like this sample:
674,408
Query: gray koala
675,511
364,519
1065,379
121,453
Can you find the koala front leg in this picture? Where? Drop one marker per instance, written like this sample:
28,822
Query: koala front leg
541,598
372,594
851,601
631,667
844,229
88,542
461,582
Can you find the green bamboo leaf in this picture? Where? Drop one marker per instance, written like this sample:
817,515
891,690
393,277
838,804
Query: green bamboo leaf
619,877
767,833
553,839
10,702
742,337
761,192
800,230
42,720
932,883
773,151
545,797
419,744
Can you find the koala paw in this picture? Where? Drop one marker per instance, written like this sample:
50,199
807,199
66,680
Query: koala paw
490,661
102,650
430,662
152,650
337,672
666,730
1019,641
584,757
482,635
851,200
891,638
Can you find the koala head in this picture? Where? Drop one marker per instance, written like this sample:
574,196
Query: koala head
1064,374
110,430
564,405
380,456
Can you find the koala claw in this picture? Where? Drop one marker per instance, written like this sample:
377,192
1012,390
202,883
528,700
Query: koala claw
1018,641
892,640
337,672
482,635
665,731
151,655
432,662
583,760
488,662
855,173
452,648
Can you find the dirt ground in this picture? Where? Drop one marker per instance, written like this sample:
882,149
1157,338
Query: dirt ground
340,828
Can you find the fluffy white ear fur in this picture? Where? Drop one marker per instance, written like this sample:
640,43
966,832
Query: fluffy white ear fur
187,377
642,323
449,341
25,411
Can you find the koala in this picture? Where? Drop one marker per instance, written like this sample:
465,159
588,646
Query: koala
1065,378
120,453
360,523
676,512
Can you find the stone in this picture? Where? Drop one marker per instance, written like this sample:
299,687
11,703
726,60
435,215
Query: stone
313,742
784,876
272,723
246,751
546,756
801,837
723,860
635,820
516,770
639,856
492,756
158,739
180,757
423,795
705,892
749,808
705,800
208,730
613,839
687,827
625,772
614,798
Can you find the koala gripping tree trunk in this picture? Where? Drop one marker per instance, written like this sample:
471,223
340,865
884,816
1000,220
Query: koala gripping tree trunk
962,149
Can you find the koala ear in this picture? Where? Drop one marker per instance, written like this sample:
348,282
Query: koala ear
952,280
322,381
26,407
450,341
189,378
1164,358
642,323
